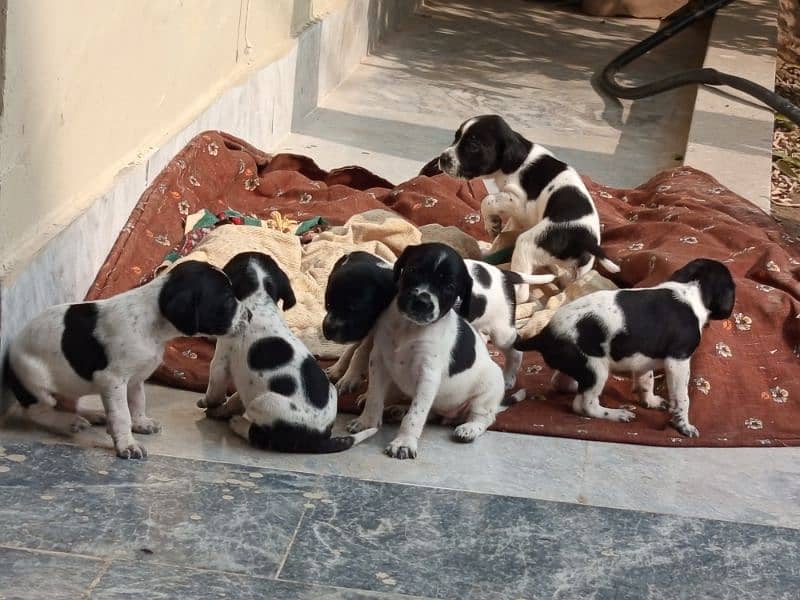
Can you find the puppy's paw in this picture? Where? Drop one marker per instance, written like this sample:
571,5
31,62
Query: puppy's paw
132,450
656,402
78,423
360,424
348,383
333,373
145,425
208,402
467,432
684,427
394,413
402,447
95,417
493,225
219,413
240,425
622,415
510,379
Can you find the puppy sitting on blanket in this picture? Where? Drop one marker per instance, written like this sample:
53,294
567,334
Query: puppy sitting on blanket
539,194
635,331
283,399
109,347
431,354
361,286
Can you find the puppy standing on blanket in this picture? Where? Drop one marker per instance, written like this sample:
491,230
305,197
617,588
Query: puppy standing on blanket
110,347
283,399
635,331
538,193
429,353
361,286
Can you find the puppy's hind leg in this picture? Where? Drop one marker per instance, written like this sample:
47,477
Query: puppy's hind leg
678,374
527,258
218,378
140,422
44,414
590,397
513,358
380,383
482,412
643,386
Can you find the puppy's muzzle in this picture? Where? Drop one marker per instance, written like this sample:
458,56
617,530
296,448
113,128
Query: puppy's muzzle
332,329
419,307
447,163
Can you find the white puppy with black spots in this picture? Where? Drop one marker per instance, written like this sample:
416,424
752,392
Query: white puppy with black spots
283,399
361,286
110,347
539,194
428,352
633,332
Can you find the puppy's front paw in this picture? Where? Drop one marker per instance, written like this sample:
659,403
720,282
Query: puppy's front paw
208,402
132,450
509,379
622,415
467,432
656,402
333,373
348,383
402,447
493,226
360,424
78,423
145,425
684,427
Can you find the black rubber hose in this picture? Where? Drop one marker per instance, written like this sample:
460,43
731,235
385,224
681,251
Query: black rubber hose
676,22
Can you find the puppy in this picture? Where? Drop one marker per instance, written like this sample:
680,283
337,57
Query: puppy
428,352
538,193
109,347
283,400
361,286
635,331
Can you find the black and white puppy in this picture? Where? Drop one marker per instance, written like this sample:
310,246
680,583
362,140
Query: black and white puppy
110,347
539,194
633,332
283,399
429,353
361,286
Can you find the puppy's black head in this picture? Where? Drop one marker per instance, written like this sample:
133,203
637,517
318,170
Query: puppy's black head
717,288
482,146
198,299
250,272
359,289
430,278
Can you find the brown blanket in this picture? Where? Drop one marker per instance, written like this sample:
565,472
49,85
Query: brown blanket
745,385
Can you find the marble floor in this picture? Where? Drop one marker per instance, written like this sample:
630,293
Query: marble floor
532,62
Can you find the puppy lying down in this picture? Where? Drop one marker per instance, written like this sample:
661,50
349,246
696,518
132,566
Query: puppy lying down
110,347
633,332
426,351
283,399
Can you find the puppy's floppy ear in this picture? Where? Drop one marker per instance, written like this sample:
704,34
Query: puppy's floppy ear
717,288
178,303
514,150
400,265
465,290
277,283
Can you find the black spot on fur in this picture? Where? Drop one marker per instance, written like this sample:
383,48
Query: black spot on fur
481,274
568,203
22,393
462,355
477,307
269,353
84,353
569,243
293,406
315,383
591,335
537,175
285,385
656,325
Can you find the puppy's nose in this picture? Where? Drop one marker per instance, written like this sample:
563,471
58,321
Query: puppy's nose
445,161
422,302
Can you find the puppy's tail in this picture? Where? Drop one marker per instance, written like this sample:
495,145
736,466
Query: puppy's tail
265,438
595,250
344,442
511,400
10,378
516,278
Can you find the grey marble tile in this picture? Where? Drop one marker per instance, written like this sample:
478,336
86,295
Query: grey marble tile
156,582
457,545
26,575
225,517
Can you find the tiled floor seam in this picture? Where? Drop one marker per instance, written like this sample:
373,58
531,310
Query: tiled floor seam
291,543
101,573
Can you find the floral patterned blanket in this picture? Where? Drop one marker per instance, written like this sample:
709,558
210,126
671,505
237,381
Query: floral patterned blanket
745,386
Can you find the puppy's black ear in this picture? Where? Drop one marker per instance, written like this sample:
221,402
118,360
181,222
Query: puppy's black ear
277,283
717,288
514,148
465,290
178,304
400,265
